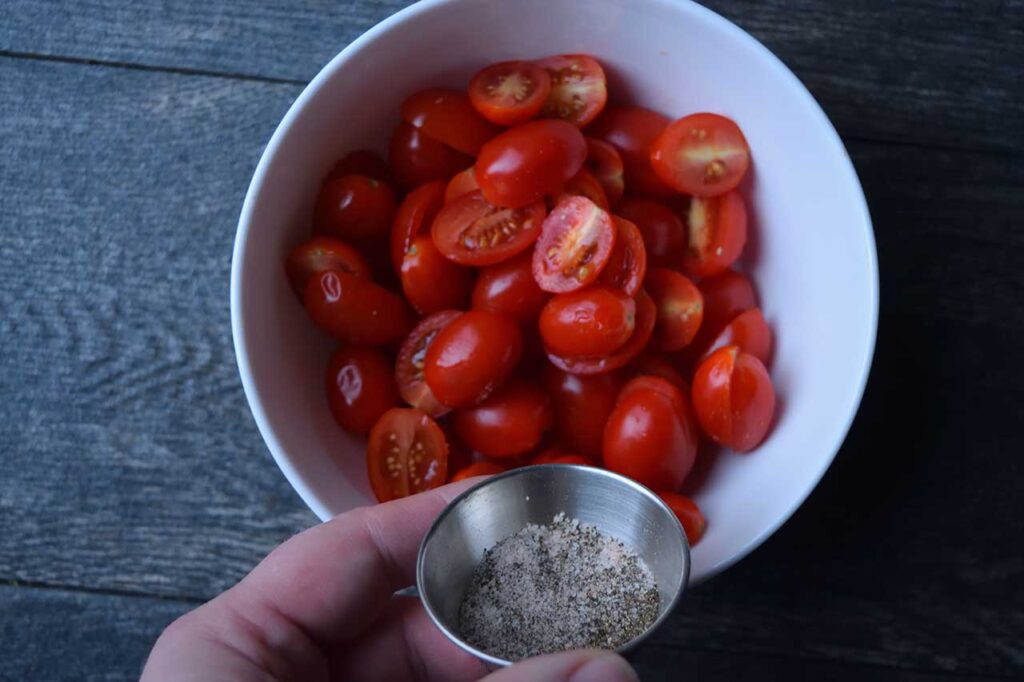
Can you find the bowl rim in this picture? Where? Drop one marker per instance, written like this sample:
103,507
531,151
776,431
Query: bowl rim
256,187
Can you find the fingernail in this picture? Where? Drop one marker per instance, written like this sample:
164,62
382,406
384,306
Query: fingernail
607,667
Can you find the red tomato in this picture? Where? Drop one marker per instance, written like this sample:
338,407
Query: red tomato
354,207
688,513
582,406
406,454
725,296
355,309
510,93
360,387
650,435
556,456
749,332
576,241
411,358
482,468
509,422
632,130
472,356
605,162
448,117
664,233
734,398
508,287
656,365
680,308
471,231
579,89
460,184
627,265
362,162
701,154
718,231
584,184
415,215
430,281
418,158
597,320
321,254
524,163
646,314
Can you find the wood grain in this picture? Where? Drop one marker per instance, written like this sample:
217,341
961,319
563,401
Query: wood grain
937,72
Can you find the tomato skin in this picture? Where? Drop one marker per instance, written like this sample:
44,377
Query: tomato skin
472,356
471,231
688,513
627,264
482,468
415,215
576,241
524,163
418,158
430,281
460,184
360,387
734,398
701,154
651,436
510,93
680,308
657,365
320,254
605,162
749,332
508,287
632,130
646,314
663,232
354,207
717,229
579,89
510,422
355,309
406,453
448,116
556,456
362,162
412,385
582,405
584,184
597,320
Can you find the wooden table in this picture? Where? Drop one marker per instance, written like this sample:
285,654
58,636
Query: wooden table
133,482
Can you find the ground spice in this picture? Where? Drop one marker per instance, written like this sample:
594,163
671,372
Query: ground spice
557,587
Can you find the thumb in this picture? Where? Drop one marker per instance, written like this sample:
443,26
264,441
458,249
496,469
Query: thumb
586,665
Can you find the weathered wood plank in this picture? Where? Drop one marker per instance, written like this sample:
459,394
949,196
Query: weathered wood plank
926,71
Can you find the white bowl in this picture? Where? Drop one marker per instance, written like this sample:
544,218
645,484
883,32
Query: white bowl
812,256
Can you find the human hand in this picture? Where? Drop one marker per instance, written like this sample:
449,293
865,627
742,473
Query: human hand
321,607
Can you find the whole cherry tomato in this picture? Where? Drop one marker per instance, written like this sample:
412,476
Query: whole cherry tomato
511,421
406,453
430,281
582,406
360,387
321,254
717,232
412,356
688,513
355,309
472,231
448,117
646,314
508,287
605,162
575,243
701,154
354,207
627,264
663,232
362,162
680,308
632,130
460,184
418,158
749,332
597,320
579,89
415,215
734,398
481,468
510,93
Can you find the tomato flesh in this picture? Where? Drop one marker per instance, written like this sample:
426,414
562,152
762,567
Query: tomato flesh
749,332
717,229
627,264
680,308
355,309
430,281
576,241
584,184
582,406
734,398
418,158
461,184
320,255
406,453
508,287
597,320
510,93
415,215
448,117
360,387
354,207
511,421
702,154
471,231
579,89
688,513
412,357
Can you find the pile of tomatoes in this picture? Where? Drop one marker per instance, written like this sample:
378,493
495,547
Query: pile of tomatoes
535,275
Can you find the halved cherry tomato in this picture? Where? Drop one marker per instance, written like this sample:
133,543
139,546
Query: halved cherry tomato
360,387
448,117
579,89
418,158
524,163
717,232
749,332
701,154
680,308
362,162
511,421
582,405
584,184
415,215
510,93
354,207
632,130
460,184
688,513
597,320
627,265
430,281
575,243
556,456
664,233
356,310
406,454
725,296
472,356
651,436
411,358
471,231
605,162
656,365
646,314
508,287
321,254
734,398
481,468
